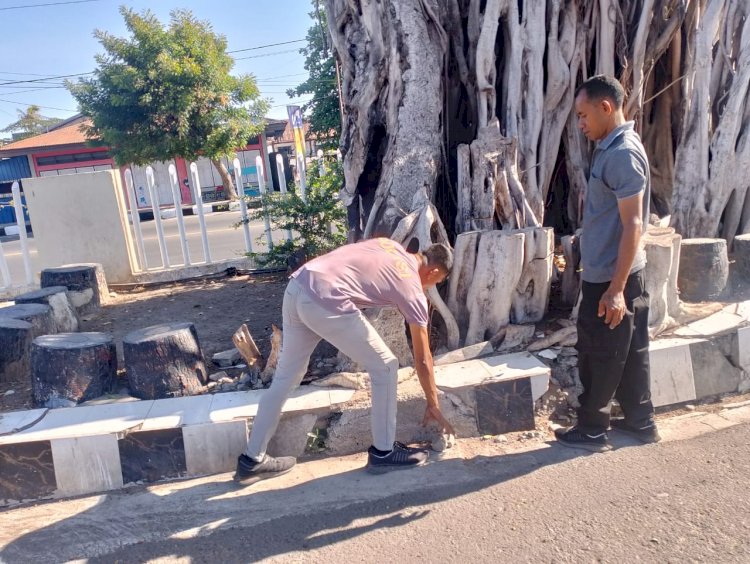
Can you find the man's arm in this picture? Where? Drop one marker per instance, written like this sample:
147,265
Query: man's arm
612,304
423,362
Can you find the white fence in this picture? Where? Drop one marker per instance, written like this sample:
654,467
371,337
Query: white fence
8,282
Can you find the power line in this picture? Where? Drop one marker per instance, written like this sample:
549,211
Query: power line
47,4
45,79
266,54
44,107
268,45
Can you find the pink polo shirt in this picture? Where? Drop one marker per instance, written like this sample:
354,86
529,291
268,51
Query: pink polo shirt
372,273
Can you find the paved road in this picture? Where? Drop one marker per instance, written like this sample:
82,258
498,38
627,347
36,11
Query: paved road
682,500
225,242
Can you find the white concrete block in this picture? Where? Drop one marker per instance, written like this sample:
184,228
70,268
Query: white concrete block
177,412
207,208
213,448
86,464
13,421
168,213
235,405
12,230
84,421
743,340
671,371
719,322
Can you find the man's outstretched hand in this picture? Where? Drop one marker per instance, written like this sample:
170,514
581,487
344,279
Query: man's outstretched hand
433,413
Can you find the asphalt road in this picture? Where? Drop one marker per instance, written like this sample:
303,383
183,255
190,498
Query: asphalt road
225,242
679,501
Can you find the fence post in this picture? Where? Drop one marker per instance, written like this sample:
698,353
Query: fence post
262,186
4,271
243,204
176,198
282,185
198,197
302,177
157,216
321,164
136,219
21,223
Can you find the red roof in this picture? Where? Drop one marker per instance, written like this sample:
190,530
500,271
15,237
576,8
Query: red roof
67,135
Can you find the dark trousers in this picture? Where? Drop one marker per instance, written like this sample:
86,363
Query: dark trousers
613,363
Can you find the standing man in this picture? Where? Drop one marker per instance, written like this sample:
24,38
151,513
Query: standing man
323,301
613,315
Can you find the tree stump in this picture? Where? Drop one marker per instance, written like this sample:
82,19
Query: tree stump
39,315
704,268
531,297
87,287
15,349
742,259
63,313
662,246
72,366
570,286
164,361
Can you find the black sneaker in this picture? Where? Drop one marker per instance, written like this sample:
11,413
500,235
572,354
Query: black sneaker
248,471
575,438
646,435
399,458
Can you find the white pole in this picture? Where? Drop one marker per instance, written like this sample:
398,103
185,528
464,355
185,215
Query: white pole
157,216
198,197
243,204
339,157
262,186
136,218
321,167
177,199
18,206
282,184
302,177
4,268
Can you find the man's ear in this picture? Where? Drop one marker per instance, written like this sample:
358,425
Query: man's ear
607,106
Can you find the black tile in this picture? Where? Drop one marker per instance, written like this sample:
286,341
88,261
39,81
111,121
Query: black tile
504,407
152,455
26,470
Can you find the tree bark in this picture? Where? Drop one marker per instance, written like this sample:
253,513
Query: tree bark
226,179
86,284
64,316
15,350
704,268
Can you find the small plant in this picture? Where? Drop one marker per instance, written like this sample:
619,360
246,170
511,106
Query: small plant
317,224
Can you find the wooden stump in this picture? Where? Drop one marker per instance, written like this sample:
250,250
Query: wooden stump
164,361
64,316
15,349
742,259
704,268
39,315
87,287
570,286
531,297
72,366
662,247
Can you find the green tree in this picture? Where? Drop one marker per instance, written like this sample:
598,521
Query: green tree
317,223
167,91
323,110
30,122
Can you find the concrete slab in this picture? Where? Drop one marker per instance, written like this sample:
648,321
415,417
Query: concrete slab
213,448
743,342
177,412
86,464
714,366
84,421
14,421
715,324
671,371
235,405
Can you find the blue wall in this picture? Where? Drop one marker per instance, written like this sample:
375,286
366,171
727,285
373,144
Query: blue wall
14,168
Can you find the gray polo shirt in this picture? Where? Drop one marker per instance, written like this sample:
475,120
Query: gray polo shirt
619,170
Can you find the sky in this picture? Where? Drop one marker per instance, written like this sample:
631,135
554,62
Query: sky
53,40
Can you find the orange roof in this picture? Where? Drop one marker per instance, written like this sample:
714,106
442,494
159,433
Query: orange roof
67,135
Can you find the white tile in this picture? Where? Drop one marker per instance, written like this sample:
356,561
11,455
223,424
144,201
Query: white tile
307,398
86,464
213,448
176,412
340,395
84,421
743,339
235,405
493,369
462,374
671,372
740,308
719,322
13,421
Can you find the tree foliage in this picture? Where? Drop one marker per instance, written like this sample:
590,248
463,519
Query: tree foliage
323,109
167,91
30,122
317,223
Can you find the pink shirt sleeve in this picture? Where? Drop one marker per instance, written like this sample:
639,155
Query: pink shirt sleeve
413,306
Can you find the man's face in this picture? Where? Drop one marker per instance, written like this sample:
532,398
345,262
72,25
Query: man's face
594,116
432,275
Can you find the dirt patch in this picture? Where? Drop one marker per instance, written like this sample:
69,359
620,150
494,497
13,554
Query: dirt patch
216,306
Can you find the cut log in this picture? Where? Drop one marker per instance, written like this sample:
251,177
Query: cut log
15,349
64,316
565,336
245,343
531,297
390,325
660,245
39,315
164,361
464,262
87,287
742,259
496,275
704,268
72,366
512,336
571,278
273,357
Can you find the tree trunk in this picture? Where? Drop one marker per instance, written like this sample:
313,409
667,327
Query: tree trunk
742,259
661,246
64,316
72,366
15,350
226,179
86,284
704,268
38,315
164,361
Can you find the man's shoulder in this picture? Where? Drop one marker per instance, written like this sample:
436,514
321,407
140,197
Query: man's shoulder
627,150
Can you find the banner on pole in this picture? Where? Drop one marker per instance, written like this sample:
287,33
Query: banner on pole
295,120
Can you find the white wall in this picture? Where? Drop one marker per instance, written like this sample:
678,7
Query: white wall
79,218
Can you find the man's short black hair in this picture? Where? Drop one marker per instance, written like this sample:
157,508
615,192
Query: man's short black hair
602,87
439,255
